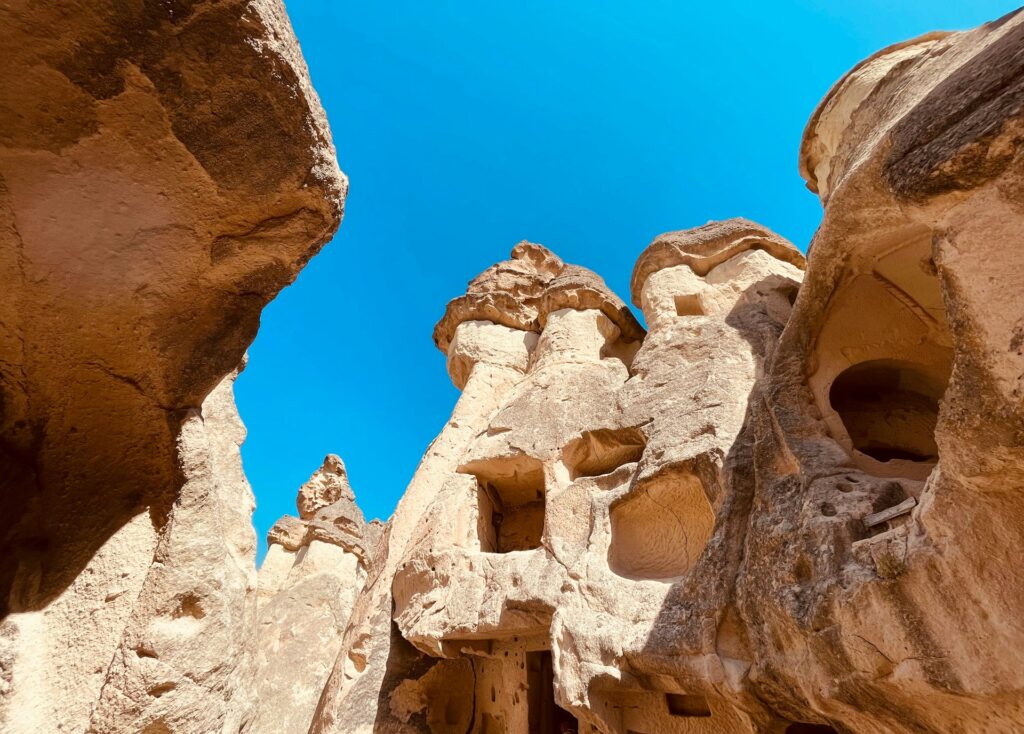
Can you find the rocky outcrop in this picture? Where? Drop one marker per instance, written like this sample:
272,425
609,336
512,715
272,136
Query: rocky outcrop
888,482
788,507
581,500
165,169
314,568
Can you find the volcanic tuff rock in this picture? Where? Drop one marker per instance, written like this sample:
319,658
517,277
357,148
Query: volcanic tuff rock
790,506
165,169
308,582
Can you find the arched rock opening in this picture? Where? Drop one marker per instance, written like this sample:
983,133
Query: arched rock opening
889,409
883,356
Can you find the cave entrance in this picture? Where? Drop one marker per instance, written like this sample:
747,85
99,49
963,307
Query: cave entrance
889,409
545,716
510,497
884,354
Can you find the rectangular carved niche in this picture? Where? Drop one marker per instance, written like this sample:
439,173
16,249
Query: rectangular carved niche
510,496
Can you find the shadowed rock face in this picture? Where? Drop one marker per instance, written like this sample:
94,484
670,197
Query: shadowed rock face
165,169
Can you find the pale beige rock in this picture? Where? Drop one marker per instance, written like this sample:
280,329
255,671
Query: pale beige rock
788,508
374,658
514,554
181,665
328,485
308,583
681,535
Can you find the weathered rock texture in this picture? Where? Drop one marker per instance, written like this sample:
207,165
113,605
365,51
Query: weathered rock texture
314,568
165,169
791,506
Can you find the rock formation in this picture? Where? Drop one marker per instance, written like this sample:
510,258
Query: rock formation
586,491
787,506
165,169
316,564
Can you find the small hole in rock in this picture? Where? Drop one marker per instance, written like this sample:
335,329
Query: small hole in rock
689,305
681,704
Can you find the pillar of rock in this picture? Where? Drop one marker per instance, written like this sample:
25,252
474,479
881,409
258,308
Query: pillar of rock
316,565
486,358
888,473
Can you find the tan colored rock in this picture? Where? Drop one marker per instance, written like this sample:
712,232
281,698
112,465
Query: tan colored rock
779,512
308,583
328,485
520,291
165,169
181,664
513,564
789,507
898,377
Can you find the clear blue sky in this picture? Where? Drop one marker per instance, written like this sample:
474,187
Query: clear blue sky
465,127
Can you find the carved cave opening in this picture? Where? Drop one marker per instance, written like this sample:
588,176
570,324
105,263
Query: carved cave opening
513,690
689,305
889,409
510,497
546,716
883,356
686,705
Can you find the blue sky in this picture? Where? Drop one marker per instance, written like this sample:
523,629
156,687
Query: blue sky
465,127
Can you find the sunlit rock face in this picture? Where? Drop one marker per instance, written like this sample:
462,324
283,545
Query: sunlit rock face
789,506
165,169
315,566
589,496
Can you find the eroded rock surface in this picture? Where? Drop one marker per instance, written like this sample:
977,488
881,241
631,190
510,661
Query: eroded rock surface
314,568
788,507
165,169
